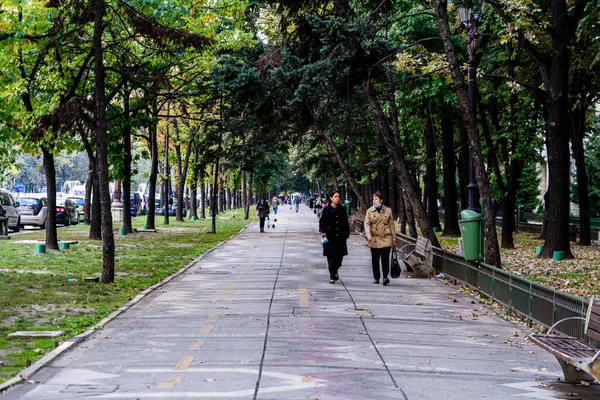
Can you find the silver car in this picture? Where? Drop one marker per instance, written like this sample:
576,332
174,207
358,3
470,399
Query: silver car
33,211
10,206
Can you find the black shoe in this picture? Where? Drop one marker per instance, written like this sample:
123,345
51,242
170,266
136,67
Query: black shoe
386,281
336,277
376,281
332,281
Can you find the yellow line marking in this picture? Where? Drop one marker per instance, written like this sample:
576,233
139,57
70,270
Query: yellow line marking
233,286
307,379
174,379
166,385
196,345
205,330
308,361
303,298
184,362
213,317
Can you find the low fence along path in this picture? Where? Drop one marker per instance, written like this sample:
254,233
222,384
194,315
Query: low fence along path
258,319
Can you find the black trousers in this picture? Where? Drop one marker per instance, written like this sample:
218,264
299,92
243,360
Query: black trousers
334,264
382,254
262,223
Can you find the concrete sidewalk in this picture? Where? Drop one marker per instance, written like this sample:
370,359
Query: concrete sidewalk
258,319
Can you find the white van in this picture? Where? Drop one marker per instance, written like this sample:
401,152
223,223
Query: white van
10,206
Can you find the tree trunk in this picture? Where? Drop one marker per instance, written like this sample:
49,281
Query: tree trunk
397,156
215,189
194,186
450,195
410,218
509,200
96,226
183,171
402,210
108,244
431,174
393,184
203,201
87,220
557,232
167,173
50,172
578,134
153,144
245,195
492,250
249,198
344,167
127,165
93,205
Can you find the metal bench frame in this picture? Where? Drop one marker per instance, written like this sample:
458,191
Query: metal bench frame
420,259
578,360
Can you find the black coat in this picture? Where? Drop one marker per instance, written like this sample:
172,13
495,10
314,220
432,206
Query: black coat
334,223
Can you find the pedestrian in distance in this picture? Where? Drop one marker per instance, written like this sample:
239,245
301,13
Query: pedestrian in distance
275,204
262,211
381,236
318,206
335,230
297,202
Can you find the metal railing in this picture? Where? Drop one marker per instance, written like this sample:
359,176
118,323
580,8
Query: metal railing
534,301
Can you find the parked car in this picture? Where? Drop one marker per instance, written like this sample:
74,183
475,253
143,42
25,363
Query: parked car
79,202
33,211
66,212
11,207
172,211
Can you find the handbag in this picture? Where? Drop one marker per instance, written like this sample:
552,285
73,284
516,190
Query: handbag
395,269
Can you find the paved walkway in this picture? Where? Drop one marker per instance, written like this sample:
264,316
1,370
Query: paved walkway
258,319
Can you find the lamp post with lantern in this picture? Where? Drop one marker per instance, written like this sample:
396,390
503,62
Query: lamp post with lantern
470,17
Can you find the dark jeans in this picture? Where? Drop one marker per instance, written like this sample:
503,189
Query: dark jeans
262,224
334,265
384,255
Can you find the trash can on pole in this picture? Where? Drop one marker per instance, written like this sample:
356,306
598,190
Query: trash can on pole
469,230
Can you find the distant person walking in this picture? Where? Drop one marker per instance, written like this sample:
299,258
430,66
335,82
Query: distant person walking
335,230
319,206
297,201
262,211
381,234
275,204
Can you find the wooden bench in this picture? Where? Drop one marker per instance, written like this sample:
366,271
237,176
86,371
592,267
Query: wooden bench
419,260
578,360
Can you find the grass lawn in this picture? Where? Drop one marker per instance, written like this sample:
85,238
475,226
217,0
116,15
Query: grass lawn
579,276
35,294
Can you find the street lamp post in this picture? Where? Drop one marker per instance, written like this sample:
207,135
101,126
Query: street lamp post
469,17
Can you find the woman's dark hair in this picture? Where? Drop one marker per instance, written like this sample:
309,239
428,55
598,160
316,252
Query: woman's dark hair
378,195
334,192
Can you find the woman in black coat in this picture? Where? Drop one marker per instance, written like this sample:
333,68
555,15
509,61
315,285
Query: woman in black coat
335,230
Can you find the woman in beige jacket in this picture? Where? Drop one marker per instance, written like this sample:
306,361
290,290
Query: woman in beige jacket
381,234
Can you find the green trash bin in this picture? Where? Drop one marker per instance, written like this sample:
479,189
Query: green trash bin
521,214
347,204
469,230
